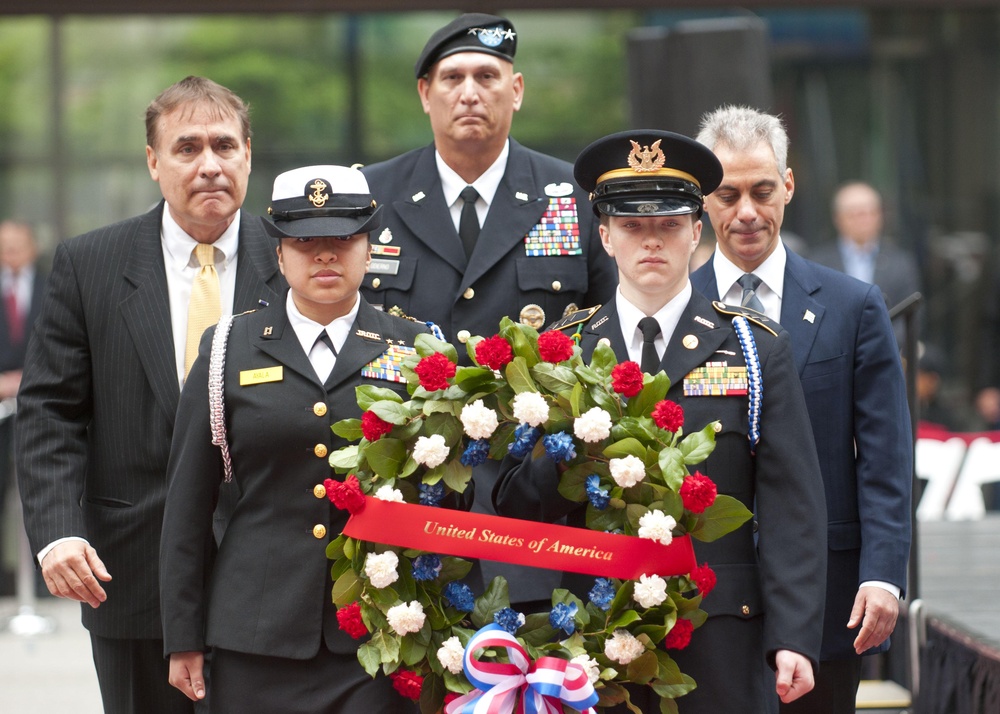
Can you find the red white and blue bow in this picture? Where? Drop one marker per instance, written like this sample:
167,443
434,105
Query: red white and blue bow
520,686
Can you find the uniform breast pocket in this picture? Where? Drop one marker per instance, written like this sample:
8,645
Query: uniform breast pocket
552,283
389,282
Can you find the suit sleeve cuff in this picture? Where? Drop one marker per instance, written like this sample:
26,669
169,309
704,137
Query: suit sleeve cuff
45,551
880,584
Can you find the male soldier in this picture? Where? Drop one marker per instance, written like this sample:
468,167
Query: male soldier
648,188
125,309
478,227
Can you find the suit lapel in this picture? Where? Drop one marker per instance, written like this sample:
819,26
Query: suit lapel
255,266
801,314
603,325
364,343
146,311
703,280
424,212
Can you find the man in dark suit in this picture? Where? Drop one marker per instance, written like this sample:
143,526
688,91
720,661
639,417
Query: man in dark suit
103,375
846,357
523,245
22,286
289,371
862,252
770,608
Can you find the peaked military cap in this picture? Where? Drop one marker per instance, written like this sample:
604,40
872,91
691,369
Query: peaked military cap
646,172
471,32
321,202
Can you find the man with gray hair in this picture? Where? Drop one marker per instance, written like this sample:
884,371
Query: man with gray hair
846,357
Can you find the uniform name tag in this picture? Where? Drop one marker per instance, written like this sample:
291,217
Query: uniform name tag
383,266
262,375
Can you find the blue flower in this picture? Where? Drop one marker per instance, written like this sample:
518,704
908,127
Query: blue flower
525,437
562,616
509,619
598,496
431,494
459,596
476,453
602,593
559,447
426,567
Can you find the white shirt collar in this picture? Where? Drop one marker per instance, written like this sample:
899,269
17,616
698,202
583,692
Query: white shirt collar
179,246
486,185
668,316
308,330
771,272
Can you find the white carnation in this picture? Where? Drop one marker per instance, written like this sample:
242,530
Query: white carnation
479,421
381,568
388,493
627,471
650,591
450,654
656,525
593,426
622,647
589,665
404,619
530,408
430,450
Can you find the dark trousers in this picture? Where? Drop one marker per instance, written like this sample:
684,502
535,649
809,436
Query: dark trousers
133,678
329,683
835,692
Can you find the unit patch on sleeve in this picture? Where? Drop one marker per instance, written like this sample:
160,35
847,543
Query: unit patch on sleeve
389,365
716,379
557,231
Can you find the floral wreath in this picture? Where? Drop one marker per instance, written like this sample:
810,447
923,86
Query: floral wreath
625,455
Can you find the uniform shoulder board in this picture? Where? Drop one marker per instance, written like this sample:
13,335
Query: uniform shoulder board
757,318
574,318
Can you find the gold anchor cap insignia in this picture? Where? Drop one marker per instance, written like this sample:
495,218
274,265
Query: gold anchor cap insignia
643,159
317,197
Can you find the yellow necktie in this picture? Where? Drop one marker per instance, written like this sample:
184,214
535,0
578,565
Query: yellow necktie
205,307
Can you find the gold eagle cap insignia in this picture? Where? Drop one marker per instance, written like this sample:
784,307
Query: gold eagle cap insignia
646,158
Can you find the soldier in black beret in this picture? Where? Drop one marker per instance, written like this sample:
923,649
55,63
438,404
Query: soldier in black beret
477,227
726,364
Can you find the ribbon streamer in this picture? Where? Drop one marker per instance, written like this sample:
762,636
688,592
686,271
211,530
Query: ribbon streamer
541,687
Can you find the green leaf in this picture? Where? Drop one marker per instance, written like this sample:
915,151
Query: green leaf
671,463
604,400
386,456
496,598
432,694
453,569
368,395
643,668
519,376
625,447
348,429
553,377
345,458
472,378
388,645
457,476
347,589
447,426
722,517
392,412
442,406
587,375
427,344
523,340
603,361
654,390
370,658
696,447
610,519
573,482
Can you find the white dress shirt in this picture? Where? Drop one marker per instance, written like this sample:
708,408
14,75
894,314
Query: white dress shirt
668,316
486,186
308,331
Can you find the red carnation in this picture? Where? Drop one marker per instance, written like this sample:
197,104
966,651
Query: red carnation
494,352
349,619
346,494
704,577
668,415
554,346
698,492
407,683
450,697
679,636
374,427
626,379
434,371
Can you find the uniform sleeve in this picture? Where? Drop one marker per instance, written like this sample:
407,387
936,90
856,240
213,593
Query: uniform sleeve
54,409
884,442
187,544
790,511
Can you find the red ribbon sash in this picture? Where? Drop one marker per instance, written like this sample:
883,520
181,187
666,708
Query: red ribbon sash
511,540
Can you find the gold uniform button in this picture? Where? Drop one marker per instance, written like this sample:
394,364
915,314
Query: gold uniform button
556,285
463,336
376,282
320,450
319,409
745,609
319,491
469,294
319,531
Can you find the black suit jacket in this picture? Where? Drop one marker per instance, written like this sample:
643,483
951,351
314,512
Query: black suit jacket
97,405
846,357
268,591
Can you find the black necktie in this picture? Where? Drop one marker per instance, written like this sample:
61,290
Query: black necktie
650,329
750,282
324,337
468,223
